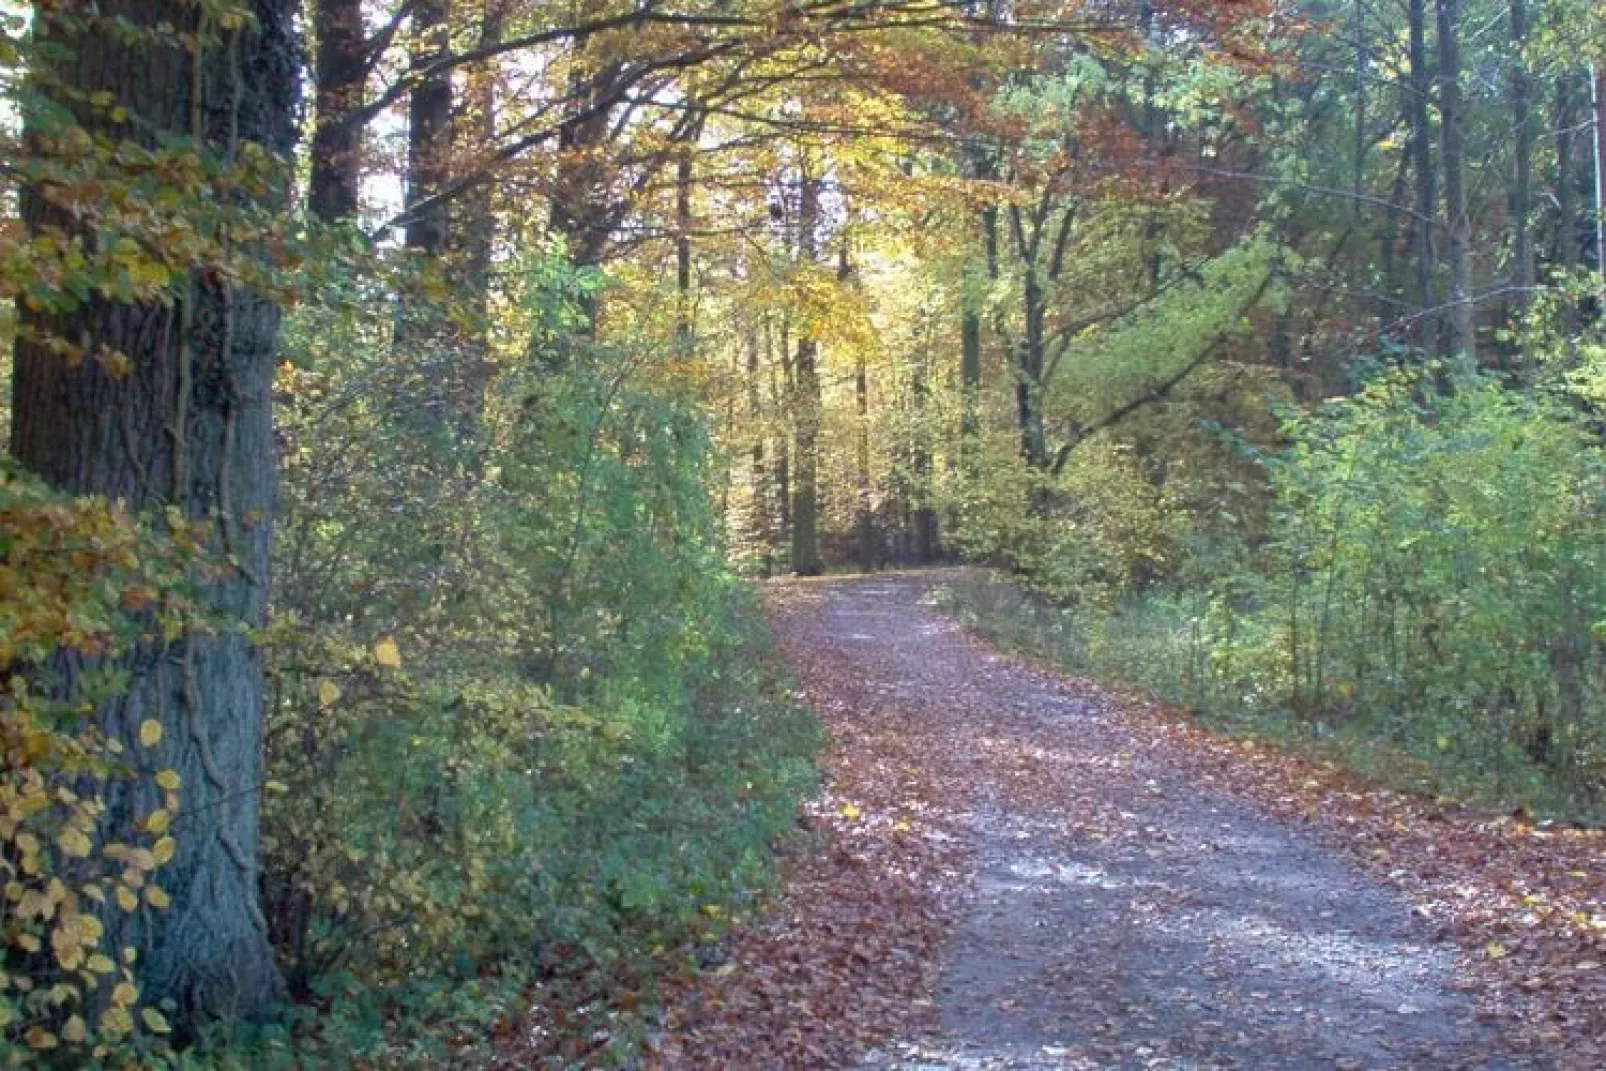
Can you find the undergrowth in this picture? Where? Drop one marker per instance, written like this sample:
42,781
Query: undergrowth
1156,643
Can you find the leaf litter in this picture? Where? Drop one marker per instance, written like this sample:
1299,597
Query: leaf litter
1007,867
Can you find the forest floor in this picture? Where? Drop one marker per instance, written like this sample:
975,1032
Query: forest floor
1014,869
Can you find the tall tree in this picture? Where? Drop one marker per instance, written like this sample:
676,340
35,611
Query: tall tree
1522,250
1419,96
807,404
429,120
186,428
340,72
1462,318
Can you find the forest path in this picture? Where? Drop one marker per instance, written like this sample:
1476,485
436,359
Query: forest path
1107,905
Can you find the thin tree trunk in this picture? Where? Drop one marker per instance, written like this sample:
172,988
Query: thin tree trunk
762,526
342,68
1463,337
1029,373
429,119
188,428
683,224
806,406
1598,89
472,237
1419,91
1522,273
1568,246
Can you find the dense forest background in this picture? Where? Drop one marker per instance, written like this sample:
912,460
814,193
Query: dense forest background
403,389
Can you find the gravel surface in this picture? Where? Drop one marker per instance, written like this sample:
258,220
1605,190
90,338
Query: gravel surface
1118,913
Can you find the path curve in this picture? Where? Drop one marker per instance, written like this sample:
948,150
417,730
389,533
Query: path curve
1119,914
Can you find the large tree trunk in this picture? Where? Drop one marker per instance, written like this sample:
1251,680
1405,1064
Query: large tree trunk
1462,317
342,68
188,427
1419,93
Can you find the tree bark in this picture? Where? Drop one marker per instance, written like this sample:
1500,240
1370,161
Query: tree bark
342,69
806,405
1462,318
1568,223
189,427
1598,88
864,520
762,528
1522,252
683,224
1419,92
429,122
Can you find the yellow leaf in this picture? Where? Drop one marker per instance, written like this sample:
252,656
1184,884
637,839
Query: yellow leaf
849,811
1495,950
150,732
162,851
124,994
156,822
74,1030
387,654
329,691
40,1038
73,843
116,1021
101,963
168,779
126,898
154,1021
27,942
156,897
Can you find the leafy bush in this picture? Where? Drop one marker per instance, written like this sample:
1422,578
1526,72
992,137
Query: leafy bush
1432,585
521,722
84,587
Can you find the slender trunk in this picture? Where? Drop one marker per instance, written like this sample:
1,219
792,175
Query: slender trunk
1388,245
342,68
472,236
429,119
188,429
806,406
1522,270
1419,91
1567,244
1359,150
762,528
1463,336
924,518
866,515
1598,92
1029,373
683,224
781,392
864,519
